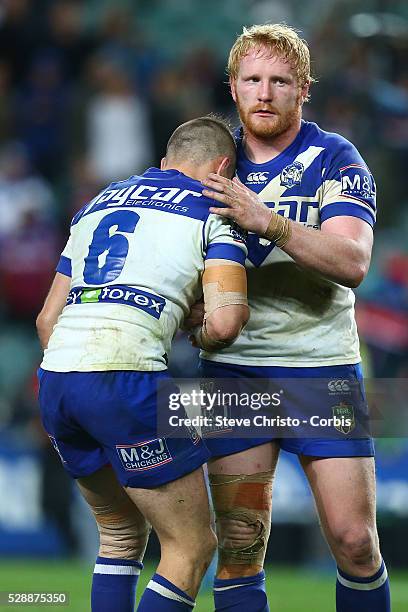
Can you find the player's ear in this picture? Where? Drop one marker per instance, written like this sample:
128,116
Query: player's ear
304,92
224,167
233,89
163,163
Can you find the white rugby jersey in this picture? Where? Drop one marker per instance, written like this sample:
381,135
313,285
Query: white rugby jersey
135,256
297,317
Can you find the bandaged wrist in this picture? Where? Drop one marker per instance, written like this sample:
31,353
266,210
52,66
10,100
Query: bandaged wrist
279,230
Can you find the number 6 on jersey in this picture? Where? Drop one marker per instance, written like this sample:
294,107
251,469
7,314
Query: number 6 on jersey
109,247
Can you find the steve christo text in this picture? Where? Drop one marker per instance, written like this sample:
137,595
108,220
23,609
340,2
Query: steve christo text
258,420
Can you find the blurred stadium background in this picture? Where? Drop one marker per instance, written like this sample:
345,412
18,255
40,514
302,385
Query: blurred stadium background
90,90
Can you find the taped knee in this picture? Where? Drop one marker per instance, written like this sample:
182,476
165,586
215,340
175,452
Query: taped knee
122,529
242,505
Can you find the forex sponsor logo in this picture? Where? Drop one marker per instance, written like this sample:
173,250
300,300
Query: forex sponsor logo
145,455
257,178
118,294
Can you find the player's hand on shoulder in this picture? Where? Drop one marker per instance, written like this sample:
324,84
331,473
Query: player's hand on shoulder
240,203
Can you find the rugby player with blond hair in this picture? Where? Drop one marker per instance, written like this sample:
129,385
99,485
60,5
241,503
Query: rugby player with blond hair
307,199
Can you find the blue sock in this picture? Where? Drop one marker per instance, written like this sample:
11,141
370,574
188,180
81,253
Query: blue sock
114,585
238,594
363,594
163,596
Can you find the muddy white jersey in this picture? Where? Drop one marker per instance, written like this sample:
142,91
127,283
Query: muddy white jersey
135,256
298,318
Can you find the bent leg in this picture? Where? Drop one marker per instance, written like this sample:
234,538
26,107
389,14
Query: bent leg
344,491
241,487
180,514
123,533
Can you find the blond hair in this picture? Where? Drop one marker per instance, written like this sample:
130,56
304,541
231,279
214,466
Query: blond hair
281,40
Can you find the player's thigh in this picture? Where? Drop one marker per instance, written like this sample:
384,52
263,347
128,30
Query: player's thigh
178,510
345,493
262,458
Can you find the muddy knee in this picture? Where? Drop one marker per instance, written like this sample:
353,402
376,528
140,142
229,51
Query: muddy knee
358,546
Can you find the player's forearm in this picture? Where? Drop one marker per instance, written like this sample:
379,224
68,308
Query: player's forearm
53,306
221,328
335,257
226,323
44,325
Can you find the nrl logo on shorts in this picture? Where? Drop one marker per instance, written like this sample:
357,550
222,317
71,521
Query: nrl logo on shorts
292,175
344,415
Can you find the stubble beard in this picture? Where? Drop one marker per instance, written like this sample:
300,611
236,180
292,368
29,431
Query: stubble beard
275,126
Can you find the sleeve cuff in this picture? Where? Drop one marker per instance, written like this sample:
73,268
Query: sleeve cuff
64,266
348,209
222,250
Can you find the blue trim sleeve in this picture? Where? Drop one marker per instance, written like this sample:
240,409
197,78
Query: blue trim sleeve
221,250
64,266
347,210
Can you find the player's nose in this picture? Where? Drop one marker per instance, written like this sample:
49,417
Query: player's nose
265,91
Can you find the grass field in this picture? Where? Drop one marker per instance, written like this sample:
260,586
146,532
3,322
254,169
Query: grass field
289,590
